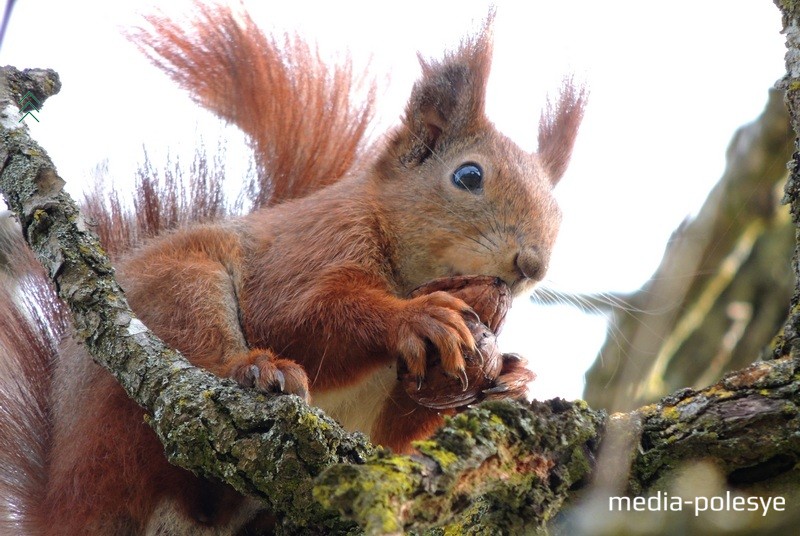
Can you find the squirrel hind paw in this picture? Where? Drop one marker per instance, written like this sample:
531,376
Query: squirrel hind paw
263,371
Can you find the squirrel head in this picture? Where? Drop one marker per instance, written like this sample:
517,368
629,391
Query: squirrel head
462,198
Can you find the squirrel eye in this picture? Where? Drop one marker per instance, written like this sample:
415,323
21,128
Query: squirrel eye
468,177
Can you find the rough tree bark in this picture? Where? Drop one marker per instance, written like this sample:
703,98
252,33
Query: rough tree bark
789,339
6,231
496,468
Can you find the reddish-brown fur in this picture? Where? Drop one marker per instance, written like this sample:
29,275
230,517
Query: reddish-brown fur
310,294
282,96
29,331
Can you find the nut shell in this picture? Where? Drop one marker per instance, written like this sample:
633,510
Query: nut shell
488,296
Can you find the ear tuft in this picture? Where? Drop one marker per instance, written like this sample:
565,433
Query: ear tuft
559,126
448,101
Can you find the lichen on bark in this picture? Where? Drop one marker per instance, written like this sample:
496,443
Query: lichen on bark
520,460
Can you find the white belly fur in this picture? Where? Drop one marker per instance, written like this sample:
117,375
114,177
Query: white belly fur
357,407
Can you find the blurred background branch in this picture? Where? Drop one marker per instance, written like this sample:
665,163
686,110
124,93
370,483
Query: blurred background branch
720,293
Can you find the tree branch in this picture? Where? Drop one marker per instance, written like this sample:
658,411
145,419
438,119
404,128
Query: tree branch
746,424
500,467
788,342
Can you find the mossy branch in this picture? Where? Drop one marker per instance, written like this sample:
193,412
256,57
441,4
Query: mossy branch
788,342
746,424
501,466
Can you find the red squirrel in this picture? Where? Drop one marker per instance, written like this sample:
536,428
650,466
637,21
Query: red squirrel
309,294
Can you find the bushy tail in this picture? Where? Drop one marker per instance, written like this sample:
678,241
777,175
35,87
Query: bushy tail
304,124
32,321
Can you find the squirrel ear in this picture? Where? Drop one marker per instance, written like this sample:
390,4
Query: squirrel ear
448,101
558,128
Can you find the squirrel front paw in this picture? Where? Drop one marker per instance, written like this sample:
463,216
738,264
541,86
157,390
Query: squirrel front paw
434,321
262,370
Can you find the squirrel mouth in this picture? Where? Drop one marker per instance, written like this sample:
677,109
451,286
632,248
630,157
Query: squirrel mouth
516,284
522,285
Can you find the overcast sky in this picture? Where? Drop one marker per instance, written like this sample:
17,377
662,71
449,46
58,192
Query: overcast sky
670,82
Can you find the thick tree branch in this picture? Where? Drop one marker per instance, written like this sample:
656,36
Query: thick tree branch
517,461
747,424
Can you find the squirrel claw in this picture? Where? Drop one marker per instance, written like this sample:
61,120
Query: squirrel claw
419,382
469,312
497,389
281,379
514,357
270,374
255,374
462,375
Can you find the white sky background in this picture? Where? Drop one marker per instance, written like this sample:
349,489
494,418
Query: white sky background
669,81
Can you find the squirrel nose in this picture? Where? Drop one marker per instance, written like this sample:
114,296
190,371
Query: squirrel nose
529,264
